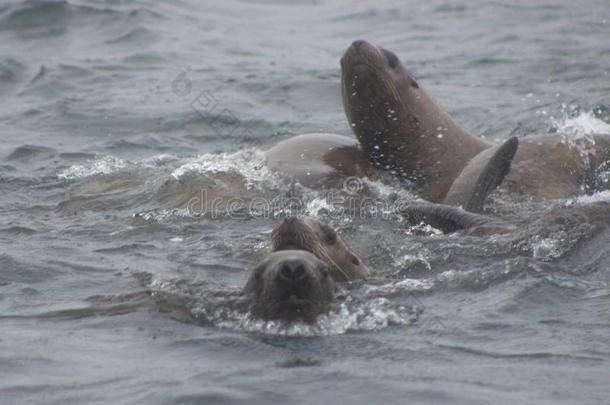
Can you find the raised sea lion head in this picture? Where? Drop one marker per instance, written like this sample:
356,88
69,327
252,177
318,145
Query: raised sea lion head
375,84
399,126
290,285
323,241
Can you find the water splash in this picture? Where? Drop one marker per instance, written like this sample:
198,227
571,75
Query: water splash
102,165
247,163
582,124
349,316
223,307
111,164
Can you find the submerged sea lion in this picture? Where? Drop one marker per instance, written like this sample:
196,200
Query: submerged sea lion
449,219
319,159
290,285
401,128
296,281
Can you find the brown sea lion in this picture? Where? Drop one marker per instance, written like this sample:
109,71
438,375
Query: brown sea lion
399,126
319,159
290,285
403,129
295,282
553,166
323,241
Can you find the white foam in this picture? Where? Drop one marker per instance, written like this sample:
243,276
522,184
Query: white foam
249,163
111,164
372,315
395,287
585,123
585,199
102,165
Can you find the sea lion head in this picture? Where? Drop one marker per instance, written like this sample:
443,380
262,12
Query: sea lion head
290,285
376,90
323,241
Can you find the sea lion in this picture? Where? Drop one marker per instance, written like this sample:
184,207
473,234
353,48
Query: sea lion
315,160
290,285
401,128
323,241
296,281
449,219
553,166
319,159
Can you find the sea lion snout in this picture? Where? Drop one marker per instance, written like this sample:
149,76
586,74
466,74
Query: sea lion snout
358,52
292,271
292,233
290,285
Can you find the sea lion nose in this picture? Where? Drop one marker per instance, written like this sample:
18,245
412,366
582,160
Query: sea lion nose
291,271
354,50
358,43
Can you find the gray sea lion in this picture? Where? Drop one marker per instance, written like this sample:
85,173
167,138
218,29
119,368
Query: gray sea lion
290,285
403,129
449,219
319,159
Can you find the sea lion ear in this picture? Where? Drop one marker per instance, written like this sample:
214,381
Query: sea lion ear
330,235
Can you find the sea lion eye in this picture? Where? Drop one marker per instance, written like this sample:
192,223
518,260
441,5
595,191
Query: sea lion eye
323,271
392,58
330,236
355,261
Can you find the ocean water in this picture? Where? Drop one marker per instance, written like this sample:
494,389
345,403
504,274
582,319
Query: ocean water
114,289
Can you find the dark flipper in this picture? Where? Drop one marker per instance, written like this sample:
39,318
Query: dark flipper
481,176
451,219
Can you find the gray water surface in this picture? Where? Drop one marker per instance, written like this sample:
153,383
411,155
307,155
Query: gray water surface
111,291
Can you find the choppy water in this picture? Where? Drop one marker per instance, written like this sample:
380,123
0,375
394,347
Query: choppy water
111,291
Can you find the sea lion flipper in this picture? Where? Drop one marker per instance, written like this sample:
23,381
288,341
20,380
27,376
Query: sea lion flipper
481,176
451,219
